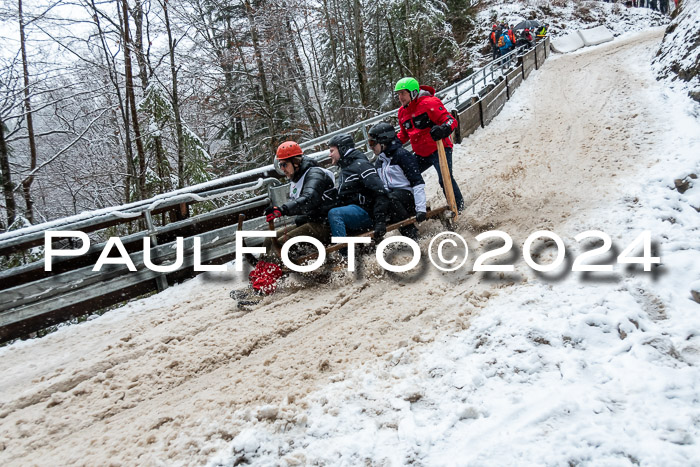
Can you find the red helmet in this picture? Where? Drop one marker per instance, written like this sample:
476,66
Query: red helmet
288,149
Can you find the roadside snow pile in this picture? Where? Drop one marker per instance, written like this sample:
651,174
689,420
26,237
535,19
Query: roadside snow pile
570,372
595,36
679,57
542,377
567,43
582,38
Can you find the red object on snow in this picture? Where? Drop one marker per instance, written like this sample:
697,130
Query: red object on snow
265,276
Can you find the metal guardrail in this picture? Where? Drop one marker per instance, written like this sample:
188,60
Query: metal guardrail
33,298
89,221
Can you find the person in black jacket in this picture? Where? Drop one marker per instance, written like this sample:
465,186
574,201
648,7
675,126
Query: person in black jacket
401,176
311,195
525,40
493,41
362,197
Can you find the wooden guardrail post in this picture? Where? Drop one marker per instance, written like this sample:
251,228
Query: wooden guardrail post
161,280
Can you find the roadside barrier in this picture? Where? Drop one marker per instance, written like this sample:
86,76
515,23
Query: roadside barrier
33,299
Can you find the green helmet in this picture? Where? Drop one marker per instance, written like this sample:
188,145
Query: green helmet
409,84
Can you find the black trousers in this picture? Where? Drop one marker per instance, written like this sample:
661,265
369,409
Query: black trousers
402,207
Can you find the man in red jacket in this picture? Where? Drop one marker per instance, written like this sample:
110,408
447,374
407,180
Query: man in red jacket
424,120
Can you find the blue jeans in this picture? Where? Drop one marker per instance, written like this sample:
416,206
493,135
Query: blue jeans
434,160
351,217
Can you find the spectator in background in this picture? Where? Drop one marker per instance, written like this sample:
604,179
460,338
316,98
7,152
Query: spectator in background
542,31
511,35
504,44
525,39
493,41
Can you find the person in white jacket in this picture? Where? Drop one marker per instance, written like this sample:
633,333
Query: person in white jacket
401,176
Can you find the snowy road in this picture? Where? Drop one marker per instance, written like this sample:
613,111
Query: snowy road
173,378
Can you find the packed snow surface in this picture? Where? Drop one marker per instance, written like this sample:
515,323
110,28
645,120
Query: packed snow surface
425,367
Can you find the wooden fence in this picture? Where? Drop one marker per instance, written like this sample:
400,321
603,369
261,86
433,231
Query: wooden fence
33,299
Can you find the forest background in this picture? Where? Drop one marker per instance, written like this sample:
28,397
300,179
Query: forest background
107,102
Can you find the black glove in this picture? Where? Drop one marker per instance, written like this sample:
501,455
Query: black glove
439,132
420,216
273,212
379,231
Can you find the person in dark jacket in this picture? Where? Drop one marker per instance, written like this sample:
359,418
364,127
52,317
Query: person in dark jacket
362,198
493,40
504,43
525,39
311,194
542,31
424,121
401,176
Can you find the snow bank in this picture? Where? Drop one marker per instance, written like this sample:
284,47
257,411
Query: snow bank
595,36
582,38
567,43
679,56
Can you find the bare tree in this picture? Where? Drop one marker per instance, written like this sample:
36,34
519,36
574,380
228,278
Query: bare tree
9,92
172,44
27,182
131,102
360,51
7,186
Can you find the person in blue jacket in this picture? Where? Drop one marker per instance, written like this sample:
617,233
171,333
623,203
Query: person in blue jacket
504,44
